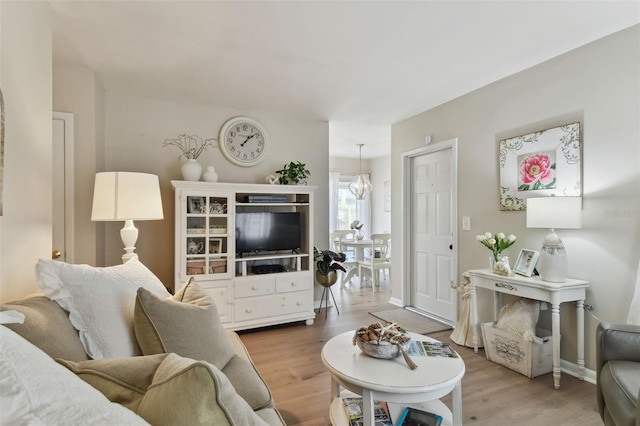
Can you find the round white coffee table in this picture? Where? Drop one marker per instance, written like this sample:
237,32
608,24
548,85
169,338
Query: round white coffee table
392,381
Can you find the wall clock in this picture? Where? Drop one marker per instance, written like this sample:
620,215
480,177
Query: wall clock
244,141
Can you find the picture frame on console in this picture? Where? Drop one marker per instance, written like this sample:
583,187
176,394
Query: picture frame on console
526,262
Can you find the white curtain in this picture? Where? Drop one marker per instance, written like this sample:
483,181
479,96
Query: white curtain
634,309
334,179
364,213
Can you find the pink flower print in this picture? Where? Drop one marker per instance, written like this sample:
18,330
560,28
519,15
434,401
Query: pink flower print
537,172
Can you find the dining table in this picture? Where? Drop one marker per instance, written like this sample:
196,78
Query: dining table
359,247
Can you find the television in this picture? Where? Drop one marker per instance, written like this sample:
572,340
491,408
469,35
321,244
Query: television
267,231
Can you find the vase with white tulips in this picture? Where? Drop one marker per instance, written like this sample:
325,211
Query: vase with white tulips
496,243
357,228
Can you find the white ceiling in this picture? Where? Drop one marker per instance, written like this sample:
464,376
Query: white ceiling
362,65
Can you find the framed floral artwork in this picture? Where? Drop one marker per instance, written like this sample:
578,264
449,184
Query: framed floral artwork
540,164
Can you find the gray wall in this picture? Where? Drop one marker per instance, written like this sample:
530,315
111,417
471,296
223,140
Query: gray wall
597,85
25,78
132,130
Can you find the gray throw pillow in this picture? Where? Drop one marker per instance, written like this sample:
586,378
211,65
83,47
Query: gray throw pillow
187,324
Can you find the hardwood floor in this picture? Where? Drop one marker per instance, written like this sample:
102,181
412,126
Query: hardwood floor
288,357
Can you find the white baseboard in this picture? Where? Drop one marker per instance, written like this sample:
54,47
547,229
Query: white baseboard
572,369
396,301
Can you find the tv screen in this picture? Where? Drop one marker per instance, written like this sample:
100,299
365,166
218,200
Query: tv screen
256,232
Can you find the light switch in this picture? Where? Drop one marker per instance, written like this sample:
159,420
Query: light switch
466,223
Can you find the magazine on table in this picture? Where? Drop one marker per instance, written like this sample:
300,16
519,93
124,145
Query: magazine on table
438,349
353,407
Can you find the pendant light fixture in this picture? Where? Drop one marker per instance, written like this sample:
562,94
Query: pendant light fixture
361,186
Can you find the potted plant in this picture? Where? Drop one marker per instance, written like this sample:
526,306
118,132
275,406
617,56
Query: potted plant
327,263
294,172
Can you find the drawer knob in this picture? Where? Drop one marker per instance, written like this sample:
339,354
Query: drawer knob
254,288
293,284
299,304
248,310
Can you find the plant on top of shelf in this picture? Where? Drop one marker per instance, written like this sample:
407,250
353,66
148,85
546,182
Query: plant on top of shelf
294,172
190,146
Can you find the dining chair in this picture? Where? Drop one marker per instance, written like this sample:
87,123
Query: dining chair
378,260
335,239
346,234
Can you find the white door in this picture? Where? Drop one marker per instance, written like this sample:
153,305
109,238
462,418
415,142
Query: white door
431,229
62,208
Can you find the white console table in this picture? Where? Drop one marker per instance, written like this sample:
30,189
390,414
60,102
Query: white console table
534,288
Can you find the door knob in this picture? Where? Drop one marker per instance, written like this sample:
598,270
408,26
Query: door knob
55,254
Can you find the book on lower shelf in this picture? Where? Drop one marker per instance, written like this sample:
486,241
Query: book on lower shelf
436,349
353,408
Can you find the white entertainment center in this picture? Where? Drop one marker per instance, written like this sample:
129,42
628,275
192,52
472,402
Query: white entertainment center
205,249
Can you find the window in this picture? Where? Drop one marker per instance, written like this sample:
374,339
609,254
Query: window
347,211
344,208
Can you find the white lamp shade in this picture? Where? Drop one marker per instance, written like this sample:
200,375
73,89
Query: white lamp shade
554,212
121,196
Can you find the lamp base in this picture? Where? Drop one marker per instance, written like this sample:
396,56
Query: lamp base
129,235
553,259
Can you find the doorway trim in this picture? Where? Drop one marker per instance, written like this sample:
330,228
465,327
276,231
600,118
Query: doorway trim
406,215
69,196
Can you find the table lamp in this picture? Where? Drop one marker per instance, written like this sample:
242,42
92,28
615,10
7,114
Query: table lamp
126,196
553,212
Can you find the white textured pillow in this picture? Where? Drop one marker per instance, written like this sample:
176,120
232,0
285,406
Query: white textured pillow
35,390
100,302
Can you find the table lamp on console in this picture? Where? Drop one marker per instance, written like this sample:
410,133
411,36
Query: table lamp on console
126,196
553,213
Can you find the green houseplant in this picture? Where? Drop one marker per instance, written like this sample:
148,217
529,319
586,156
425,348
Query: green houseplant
327,263
294,172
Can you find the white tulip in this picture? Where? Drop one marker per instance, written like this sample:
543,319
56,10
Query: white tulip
492,242
487,235
511,237
500,235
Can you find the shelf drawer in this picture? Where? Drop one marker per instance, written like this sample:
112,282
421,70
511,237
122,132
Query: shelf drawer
254,286
293,281
221,295
272,305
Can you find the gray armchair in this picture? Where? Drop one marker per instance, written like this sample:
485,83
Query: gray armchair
618,373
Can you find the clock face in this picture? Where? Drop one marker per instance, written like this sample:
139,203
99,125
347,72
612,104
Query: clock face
243,141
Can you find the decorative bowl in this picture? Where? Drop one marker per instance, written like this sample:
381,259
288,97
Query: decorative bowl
383,351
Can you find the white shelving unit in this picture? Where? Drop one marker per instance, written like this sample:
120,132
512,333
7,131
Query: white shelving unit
205,249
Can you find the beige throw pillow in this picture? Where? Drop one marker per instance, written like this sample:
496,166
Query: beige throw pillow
187,324
121,380
168,389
